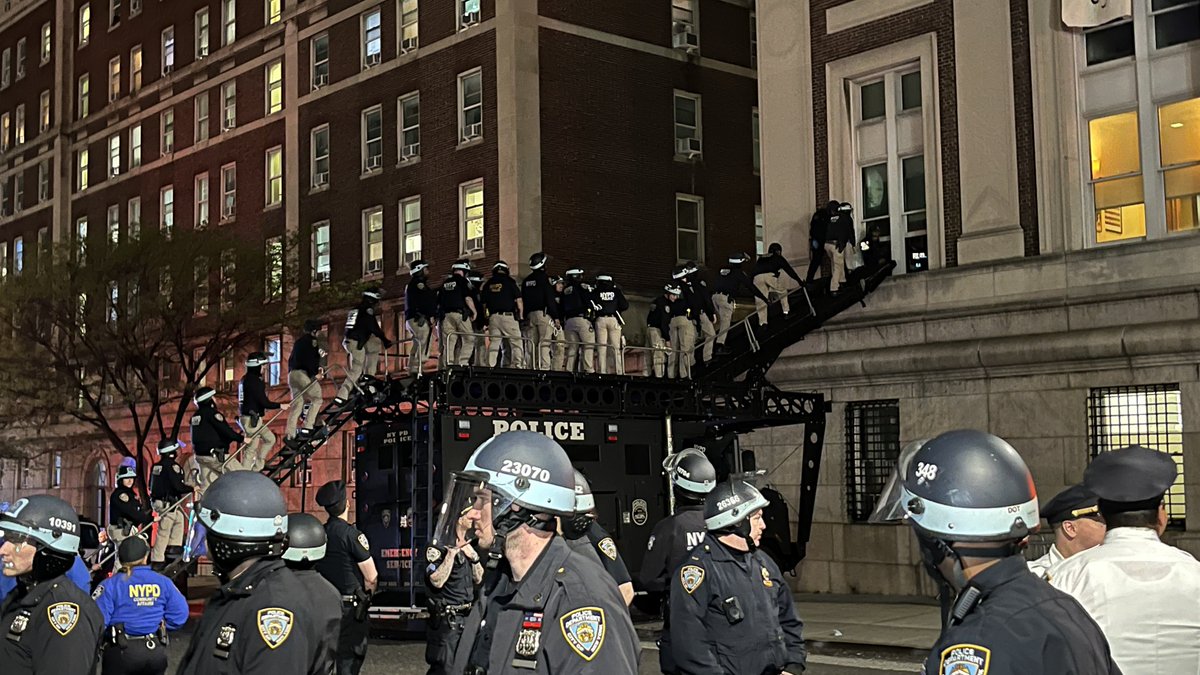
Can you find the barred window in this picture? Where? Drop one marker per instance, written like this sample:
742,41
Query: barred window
872,446
1147,415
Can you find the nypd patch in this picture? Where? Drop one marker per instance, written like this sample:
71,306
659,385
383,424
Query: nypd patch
274,625
965,659
583,629
691,576
650,544
63,616
432,554
607,547
767,578
362,540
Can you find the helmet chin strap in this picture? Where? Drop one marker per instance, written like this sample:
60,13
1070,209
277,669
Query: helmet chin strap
505,524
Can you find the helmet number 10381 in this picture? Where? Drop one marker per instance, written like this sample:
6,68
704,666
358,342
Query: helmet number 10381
525,470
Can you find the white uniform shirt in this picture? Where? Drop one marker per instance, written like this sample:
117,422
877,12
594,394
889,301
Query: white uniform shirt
1146,597
1042,565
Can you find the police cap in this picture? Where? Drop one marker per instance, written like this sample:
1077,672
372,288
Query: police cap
331,493
1075,502
132,549
1134,478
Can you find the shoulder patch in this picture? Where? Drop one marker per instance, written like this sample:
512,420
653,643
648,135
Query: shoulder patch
583,629
63,617
691,576
433,554
123,497
767,578
274,625
98,592
965,659
607,547
219,417
650,544
362,540
196,420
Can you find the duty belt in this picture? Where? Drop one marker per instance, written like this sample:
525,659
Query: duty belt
453,610
502,313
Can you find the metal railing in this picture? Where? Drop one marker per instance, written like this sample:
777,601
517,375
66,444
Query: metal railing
528,344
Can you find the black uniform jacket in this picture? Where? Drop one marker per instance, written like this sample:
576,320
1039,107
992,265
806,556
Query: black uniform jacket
166,481
671,540
327,607
596,542
1008,621
419,299
50,628
346,548
124,508
538,294
564,617
361,324
254,396
211,432
306,355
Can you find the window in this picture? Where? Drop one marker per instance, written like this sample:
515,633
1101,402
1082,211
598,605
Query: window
228,21
372,223
410,230
228,373
19,191
320,156
44,111
45,52
113,224
81,104
689,227
274,13
759,232
274,349
166,209
274,287
114,13
471,216
81,237
753,39
5,211
910,90
166,121
274,87
200,103
135,7
872,447
470,105
43,181
755,140
228,105
114,79
18,255
135,69
5,131
3,259
81,168
228,191
20,58
5,68
872,101
372,139
200,214
202,292
320,60
112,302
43,243
1147,415
410,126
468,14
201,37
168,49
916,243
409,29
85,24
320,252
134,208
19,125
1116,178
1179,153
275,176
228,278
372,38
135,146
687,122
114,155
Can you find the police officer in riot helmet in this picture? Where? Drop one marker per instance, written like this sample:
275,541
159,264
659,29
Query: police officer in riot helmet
304,368
363,342
505,309
453,570
731,610
547,609
139,607
211,436
167,490
126,512
541,310
306,546
585,536
349,567
52,626
457,309
731,279
971,503
420,314
262,619
578,332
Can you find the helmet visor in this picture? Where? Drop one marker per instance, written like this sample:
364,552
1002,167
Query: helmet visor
468,511
889,506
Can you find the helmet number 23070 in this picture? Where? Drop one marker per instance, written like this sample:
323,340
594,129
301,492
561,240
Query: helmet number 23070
525,470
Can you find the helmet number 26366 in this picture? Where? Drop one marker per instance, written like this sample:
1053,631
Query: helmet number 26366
525,470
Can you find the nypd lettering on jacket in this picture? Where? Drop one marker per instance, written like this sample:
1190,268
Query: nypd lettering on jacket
559,431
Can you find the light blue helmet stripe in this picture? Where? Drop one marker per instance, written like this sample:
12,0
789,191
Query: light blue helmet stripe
298,554
63,543
243,527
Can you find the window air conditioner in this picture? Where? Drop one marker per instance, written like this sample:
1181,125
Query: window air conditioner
374,162
202,51
473,131
685,37
408,44
228,123
411,151
322,178
373,59
168,148
374,266
469,19
168,68
688,147
320,80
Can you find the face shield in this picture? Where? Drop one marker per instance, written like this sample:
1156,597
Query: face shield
470,508
889,507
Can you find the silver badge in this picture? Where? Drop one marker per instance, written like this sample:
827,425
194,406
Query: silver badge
226,635
641,512
528,642
19,624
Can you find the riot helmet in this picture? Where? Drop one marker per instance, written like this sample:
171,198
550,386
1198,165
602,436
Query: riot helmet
256,360
604,279
775,249
691,473
585,504
313,326
574,273
246,517
126,470
50,525
204,396
461,266
739,258
500,266
417,266
729,507
680,272
538,260
306,540
372,294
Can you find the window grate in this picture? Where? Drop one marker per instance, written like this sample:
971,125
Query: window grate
1147,415
872,446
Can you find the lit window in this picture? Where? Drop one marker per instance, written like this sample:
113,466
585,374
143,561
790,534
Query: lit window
1116,178
468,13
43,181
410,230
470,100
45,43
81,237
274,87
201,37
372,38
19,124
3,259
274,350
113,225
201,114
320,252
18,255
19,191
372,223
135,68
20,58
689,227
168,49
166,208
85,24
320,60
471,216
228,191
135,146
228,21
759,235
1179,149
228,105
410,126
134,208
166,121
274,281
274,11
81,165
372,139
320,156
200,213
756,141
114,79
84,96
44,111
275,176
5,131
114,155
409,29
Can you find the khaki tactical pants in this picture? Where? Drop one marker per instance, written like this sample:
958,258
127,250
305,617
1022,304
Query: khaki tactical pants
541,332
580,338
709,333
837,263
608,344
724,305
658,357
422,334
501,328
299,384
454,341
363,361
683,344
171,526
771,286
558,358
259,441
117,535
211,469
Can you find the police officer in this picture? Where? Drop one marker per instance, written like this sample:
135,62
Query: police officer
348,566
658,331
167,489
558,348
1074,516
611,301
541,310
731,610
363,342
730,280
766,279
578,332
505,310
262,619
304,368
549,610
456,307
838,237
254,404
672,539
452,572
586,536
971,503
696,289
211,436
475,344
683,334
817,228
125,509
420,313
139,607
51,627
306,546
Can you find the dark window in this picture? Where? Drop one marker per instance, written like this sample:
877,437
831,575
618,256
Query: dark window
872,446
1147,415
910,90
872,101
1109,43
1180,24
637,459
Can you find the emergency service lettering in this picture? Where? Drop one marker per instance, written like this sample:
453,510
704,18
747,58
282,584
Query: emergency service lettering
559,431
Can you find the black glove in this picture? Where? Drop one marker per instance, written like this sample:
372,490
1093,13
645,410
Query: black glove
387,344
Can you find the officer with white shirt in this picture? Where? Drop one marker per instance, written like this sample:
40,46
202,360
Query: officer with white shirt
1075,519
1141,591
